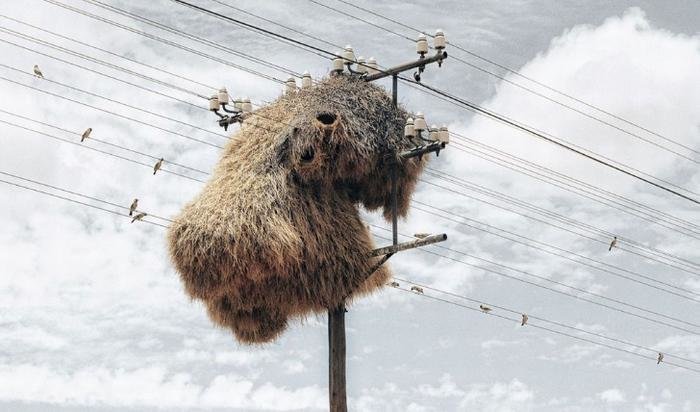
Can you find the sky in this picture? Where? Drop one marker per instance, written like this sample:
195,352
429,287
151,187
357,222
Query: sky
93,316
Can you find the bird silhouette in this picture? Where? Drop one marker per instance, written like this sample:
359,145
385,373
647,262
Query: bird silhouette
38,72
138,216
133,206
660,358
86,134
421,235
416,289
613,243
524,321
157,166
394,284
485,308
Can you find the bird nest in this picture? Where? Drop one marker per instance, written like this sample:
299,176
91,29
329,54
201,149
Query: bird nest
276,231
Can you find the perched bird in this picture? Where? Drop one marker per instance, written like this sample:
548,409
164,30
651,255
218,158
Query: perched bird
139,216
525,318
394,284
416,289
133,206
86,134
157,166
38,72
613,243
421,235
485,308
660,358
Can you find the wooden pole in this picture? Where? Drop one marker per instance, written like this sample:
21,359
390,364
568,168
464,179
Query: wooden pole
336,360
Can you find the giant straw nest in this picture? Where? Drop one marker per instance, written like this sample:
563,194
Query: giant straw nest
276,232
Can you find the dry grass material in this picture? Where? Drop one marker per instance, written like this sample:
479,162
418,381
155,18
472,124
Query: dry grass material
276,231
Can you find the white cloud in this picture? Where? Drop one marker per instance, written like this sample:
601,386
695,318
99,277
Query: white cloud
612,396
499,397
150,388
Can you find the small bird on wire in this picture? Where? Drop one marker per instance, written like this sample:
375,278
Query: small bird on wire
86,134
139,216
613,244
485,308
133,206
421,235
158,166
394,284
416,289
524,321
660,358
38,72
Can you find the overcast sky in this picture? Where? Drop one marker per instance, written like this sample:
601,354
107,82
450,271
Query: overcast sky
93,316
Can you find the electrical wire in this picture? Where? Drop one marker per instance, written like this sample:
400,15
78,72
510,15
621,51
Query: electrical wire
591,195
561,252
109,99
150,166
94,139
195,38
518,74
79,194
293,30
101,73
657,254
545,279
78,202
121,56
101,62
165,41
112,113
548,329
460,102
531,316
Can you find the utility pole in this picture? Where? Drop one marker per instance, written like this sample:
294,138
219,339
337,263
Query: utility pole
337,391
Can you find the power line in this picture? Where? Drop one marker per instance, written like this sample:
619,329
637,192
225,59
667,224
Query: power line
541,246
517,73
293,30
451,190
195,38
531,316
99,61
112,113
78,194
100,73
656,253
150,166
543,278
574,149
94,139
625,208
110,53
165,41
77,201
460,103
115,78
548,329
109,99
